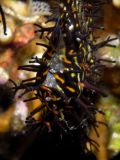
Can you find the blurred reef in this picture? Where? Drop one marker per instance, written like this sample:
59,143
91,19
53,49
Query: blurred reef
16,49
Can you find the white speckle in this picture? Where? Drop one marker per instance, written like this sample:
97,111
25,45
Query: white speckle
22,75
21,110
64,8
78,39
3,76
48,98
115,135
71,27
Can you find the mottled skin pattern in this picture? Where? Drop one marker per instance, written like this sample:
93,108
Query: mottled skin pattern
69,108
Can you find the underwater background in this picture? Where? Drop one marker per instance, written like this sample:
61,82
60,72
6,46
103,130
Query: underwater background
67,117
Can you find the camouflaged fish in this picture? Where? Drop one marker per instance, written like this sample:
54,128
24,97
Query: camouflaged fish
72,71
